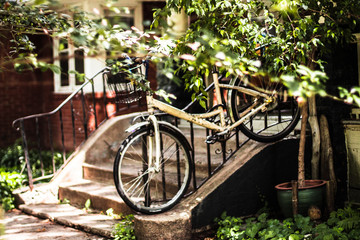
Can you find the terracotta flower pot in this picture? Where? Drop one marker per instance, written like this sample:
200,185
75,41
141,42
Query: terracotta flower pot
311,194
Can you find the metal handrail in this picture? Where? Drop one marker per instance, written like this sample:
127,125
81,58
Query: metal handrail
19,125
90,80
225,154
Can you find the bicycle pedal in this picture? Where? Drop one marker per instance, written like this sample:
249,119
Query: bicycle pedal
211,139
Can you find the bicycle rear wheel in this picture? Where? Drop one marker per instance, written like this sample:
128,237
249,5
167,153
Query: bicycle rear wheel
274,122
140,184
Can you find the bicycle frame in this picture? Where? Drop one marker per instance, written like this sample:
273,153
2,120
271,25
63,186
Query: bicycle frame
200,119
164,157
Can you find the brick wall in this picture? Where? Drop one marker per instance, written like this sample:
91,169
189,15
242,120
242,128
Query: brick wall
32,92
74,125
22,94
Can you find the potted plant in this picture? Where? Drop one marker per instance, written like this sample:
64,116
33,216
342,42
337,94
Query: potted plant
295,37
298,196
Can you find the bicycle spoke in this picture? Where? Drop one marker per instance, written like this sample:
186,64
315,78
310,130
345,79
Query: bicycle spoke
152,188
135,180
271,123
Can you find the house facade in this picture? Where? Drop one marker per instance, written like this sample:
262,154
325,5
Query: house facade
33,92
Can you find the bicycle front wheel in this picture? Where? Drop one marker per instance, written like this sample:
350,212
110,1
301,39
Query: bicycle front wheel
145,187
272,123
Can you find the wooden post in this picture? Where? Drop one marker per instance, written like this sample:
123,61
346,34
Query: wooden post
295,200
327,164
301,161
327,158
315,133
329,197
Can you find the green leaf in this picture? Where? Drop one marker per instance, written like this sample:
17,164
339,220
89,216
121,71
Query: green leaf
40,2
87,204
55,68
202,104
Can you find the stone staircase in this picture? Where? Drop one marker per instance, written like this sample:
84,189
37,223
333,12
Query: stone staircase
97,183
88,175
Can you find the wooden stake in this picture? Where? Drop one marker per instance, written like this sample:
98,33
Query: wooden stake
327,157
315,133
301,161
327,164
329,197
295,200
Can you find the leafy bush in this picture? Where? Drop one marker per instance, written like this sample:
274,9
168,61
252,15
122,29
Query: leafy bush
125,229
2,227
262,228
12,158
13,164
342,224
9,181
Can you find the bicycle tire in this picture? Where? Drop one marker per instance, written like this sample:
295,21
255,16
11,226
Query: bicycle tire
143,188
269,125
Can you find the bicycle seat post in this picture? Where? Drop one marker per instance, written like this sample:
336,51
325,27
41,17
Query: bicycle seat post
150,105
215,76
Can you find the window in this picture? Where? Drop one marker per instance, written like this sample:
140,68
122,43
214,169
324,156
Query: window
79,64
126,17
66,82
132,13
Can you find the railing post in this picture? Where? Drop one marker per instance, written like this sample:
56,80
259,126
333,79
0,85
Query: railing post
178,169
163,177
73,123
223,147
237,137
208,153
105,98
193,154
48,141
51,144
26,152
94,104
62,136
84,113
39,146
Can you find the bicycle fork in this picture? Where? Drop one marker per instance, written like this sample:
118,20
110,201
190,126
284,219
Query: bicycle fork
154,167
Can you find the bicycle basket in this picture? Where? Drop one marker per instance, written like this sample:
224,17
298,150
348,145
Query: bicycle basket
125,84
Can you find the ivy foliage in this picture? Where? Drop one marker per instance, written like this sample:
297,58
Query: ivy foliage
342,224
9,181
294,36
124,230
89,31
284,40
18,21
13,166
12,159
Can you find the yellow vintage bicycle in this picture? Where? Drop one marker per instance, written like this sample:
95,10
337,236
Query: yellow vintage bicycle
153,166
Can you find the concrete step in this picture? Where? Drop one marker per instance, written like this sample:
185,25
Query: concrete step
99,173
236,186
103,196
101,170
65,214
104,173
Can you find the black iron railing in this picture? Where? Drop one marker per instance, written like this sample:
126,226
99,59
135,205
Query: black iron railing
62,130
216,154
58,133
